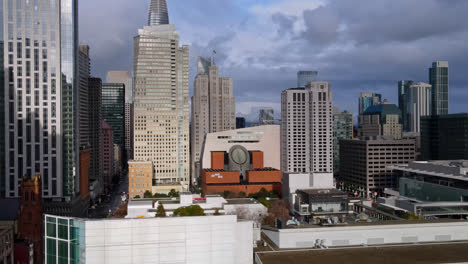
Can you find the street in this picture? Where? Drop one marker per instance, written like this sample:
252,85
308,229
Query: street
113,200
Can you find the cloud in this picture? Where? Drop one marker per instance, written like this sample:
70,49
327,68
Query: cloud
261,44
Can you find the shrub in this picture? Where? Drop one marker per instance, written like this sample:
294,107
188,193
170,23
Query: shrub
147,194
192,210
160,212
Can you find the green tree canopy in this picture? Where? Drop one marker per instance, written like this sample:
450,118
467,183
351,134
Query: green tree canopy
192,210
148,194
160,212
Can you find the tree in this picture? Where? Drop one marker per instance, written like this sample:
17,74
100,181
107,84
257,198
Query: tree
278,209
242,194
160,212
173,193
264,201
148,194
217,212
137,197
192,210
226,194
160,195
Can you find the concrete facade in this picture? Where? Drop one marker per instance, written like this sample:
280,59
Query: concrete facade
6,245
418,104
365,162
369,234
266,116
107,154
205,240
95,128
343,128
161,108
213,109
307,132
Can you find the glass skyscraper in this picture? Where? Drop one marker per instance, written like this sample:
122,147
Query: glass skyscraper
439,79
40,103
403,90
113,110
367,100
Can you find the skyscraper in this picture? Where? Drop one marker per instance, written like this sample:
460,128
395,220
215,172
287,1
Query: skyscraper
418,104
367,100
240,122
307,133
403,87
41,101
125,77
161,109
113,110
342,129
266,116
213,108
305,77
439,79
95,118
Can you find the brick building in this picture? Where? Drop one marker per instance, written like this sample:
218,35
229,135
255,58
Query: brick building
239,170
30,215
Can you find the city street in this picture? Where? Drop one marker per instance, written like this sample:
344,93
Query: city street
113,200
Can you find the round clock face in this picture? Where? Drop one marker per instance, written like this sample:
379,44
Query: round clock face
239,156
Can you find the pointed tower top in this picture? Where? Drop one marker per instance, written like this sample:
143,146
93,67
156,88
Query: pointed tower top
158,14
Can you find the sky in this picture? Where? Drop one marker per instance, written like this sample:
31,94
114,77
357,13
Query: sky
363,45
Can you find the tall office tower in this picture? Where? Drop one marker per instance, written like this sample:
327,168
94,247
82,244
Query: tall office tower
161,108
41,102
342,129
113,110
305,77
307,133
381,120
439,79
418,104
403,87
83,86
213,108
95,118
125,77
266,116
367,100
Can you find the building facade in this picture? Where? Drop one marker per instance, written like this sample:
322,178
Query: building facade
83,86
140,178
161,108
149,240
418,104
364,165
306,77
403,88
444,137
41,102
439,79
307,132
342,129
95,119
7,245
367,100
107,154
266,116
381,120
125,77
113,110
213,108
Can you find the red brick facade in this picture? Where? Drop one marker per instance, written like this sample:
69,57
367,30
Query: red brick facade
216,180
30,215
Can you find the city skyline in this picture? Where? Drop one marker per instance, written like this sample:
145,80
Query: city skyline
399,56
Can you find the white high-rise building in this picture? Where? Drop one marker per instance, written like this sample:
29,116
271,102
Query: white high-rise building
418,104
161,108
307,134
213,108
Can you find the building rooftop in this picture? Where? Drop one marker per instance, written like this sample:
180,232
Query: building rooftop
242,201
323,192
415,253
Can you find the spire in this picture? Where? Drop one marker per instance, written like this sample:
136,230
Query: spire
158,14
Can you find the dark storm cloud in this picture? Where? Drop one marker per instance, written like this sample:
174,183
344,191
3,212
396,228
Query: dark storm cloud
364,45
